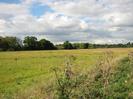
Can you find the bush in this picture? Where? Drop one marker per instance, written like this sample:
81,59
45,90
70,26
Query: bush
108,80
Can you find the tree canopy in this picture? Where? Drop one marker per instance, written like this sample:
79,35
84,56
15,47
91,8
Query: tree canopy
67,45
10,43
32,43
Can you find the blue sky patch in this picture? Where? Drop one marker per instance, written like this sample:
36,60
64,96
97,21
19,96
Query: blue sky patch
38,9
10,1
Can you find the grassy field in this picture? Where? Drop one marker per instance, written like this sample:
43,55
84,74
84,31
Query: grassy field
24,70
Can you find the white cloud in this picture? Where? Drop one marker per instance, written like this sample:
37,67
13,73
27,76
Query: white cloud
10,10
98,21
79,7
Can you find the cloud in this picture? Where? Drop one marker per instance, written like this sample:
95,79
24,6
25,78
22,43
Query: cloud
11,10
79,7
97,21
49,24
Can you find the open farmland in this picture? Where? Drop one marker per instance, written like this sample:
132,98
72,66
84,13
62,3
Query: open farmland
25,70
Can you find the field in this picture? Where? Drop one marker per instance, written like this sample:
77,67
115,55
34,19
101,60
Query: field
24,71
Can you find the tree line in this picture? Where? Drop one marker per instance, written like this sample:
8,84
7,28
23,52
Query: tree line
68,45
29,43
32,43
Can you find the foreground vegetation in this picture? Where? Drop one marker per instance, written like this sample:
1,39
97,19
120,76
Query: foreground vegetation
36,75
110,79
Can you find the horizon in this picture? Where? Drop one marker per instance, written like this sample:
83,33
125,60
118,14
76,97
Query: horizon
95,21
58,43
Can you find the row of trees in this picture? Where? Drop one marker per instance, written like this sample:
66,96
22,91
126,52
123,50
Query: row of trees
10,43
31,43
68,45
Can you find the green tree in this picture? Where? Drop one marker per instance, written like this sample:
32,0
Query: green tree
10,43
67,45
45,45
83,45
1,43
30,43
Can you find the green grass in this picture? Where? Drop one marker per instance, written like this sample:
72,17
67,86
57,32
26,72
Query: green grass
20,71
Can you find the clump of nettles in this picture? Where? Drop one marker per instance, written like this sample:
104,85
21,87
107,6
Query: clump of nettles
110,79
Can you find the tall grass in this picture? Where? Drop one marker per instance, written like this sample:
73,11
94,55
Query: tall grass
110,79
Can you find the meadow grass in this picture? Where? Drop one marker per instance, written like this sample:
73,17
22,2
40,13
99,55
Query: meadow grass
20,71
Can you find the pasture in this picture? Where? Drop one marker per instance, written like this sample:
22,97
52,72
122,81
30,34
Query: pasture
24,71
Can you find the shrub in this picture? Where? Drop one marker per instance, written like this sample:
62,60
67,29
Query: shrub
108,80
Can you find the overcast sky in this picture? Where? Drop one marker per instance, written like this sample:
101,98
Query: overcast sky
96,21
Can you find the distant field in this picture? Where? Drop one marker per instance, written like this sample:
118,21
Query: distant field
20,71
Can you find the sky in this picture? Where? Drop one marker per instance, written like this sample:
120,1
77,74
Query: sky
95,21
